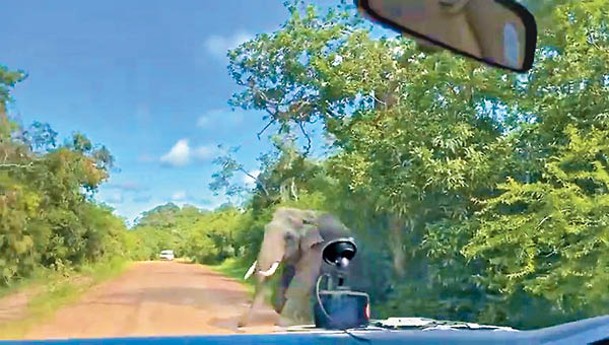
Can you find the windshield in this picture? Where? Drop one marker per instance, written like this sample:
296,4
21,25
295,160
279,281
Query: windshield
126,127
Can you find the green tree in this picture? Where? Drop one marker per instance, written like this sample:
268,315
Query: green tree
48,215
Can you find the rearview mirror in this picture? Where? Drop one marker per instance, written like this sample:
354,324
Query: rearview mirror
500,33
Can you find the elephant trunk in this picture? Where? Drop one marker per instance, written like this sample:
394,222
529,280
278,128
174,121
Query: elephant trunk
272,250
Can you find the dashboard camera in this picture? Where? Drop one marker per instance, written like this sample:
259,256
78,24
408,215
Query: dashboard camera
338,307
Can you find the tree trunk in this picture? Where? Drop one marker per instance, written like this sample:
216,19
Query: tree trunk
387,98
284,192
293,189
396,244
4,123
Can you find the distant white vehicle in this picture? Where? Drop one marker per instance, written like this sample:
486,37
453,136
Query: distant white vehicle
167,255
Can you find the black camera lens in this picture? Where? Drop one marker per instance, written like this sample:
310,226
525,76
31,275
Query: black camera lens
339,252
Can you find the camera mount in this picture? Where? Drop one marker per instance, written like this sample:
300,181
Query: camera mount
340,308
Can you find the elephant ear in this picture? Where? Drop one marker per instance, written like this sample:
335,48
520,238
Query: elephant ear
310,237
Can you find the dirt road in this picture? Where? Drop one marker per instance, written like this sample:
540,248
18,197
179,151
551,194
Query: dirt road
157,298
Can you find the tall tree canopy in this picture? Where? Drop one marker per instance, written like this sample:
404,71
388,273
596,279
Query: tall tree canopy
479,193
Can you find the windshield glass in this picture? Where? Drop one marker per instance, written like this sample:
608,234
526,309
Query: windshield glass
127,127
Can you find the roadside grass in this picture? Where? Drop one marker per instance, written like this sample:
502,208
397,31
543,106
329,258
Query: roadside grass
37,277
184,260
59,290
235,268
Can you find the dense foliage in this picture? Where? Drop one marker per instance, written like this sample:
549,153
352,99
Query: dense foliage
200,235
48,218
480,195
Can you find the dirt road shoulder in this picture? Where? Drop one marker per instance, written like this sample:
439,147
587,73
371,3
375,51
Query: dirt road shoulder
37,301
153,299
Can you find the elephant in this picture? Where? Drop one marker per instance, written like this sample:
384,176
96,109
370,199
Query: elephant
294,238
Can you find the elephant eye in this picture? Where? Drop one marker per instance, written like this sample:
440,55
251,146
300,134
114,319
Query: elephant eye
289,237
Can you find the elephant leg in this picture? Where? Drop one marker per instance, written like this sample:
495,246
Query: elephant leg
280,297
298,306
296,311
258,301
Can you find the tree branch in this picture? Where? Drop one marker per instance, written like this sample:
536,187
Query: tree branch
306,135
293,189
15,165
266,127
255,178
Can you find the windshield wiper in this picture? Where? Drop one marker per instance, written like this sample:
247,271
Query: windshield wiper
402,323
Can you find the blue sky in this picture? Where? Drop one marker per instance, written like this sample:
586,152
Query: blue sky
146,78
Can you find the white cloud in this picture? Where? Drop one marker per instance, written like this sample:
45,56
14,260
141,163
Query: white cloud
213,201
205,152
216,117
179,196
115,198
248,180
182,154
179,155
142,198
220,45
209,202
203,121
128,186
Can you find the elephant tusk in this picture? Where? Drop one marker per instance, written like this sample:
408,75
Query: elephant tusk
270,270
250,270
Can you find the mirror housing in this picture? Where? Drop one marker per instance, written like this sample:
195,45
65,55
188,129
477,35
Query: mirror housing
499,33
339,252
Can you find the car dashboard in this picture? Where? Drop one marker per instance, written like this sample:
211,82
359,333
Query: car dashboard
590,331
